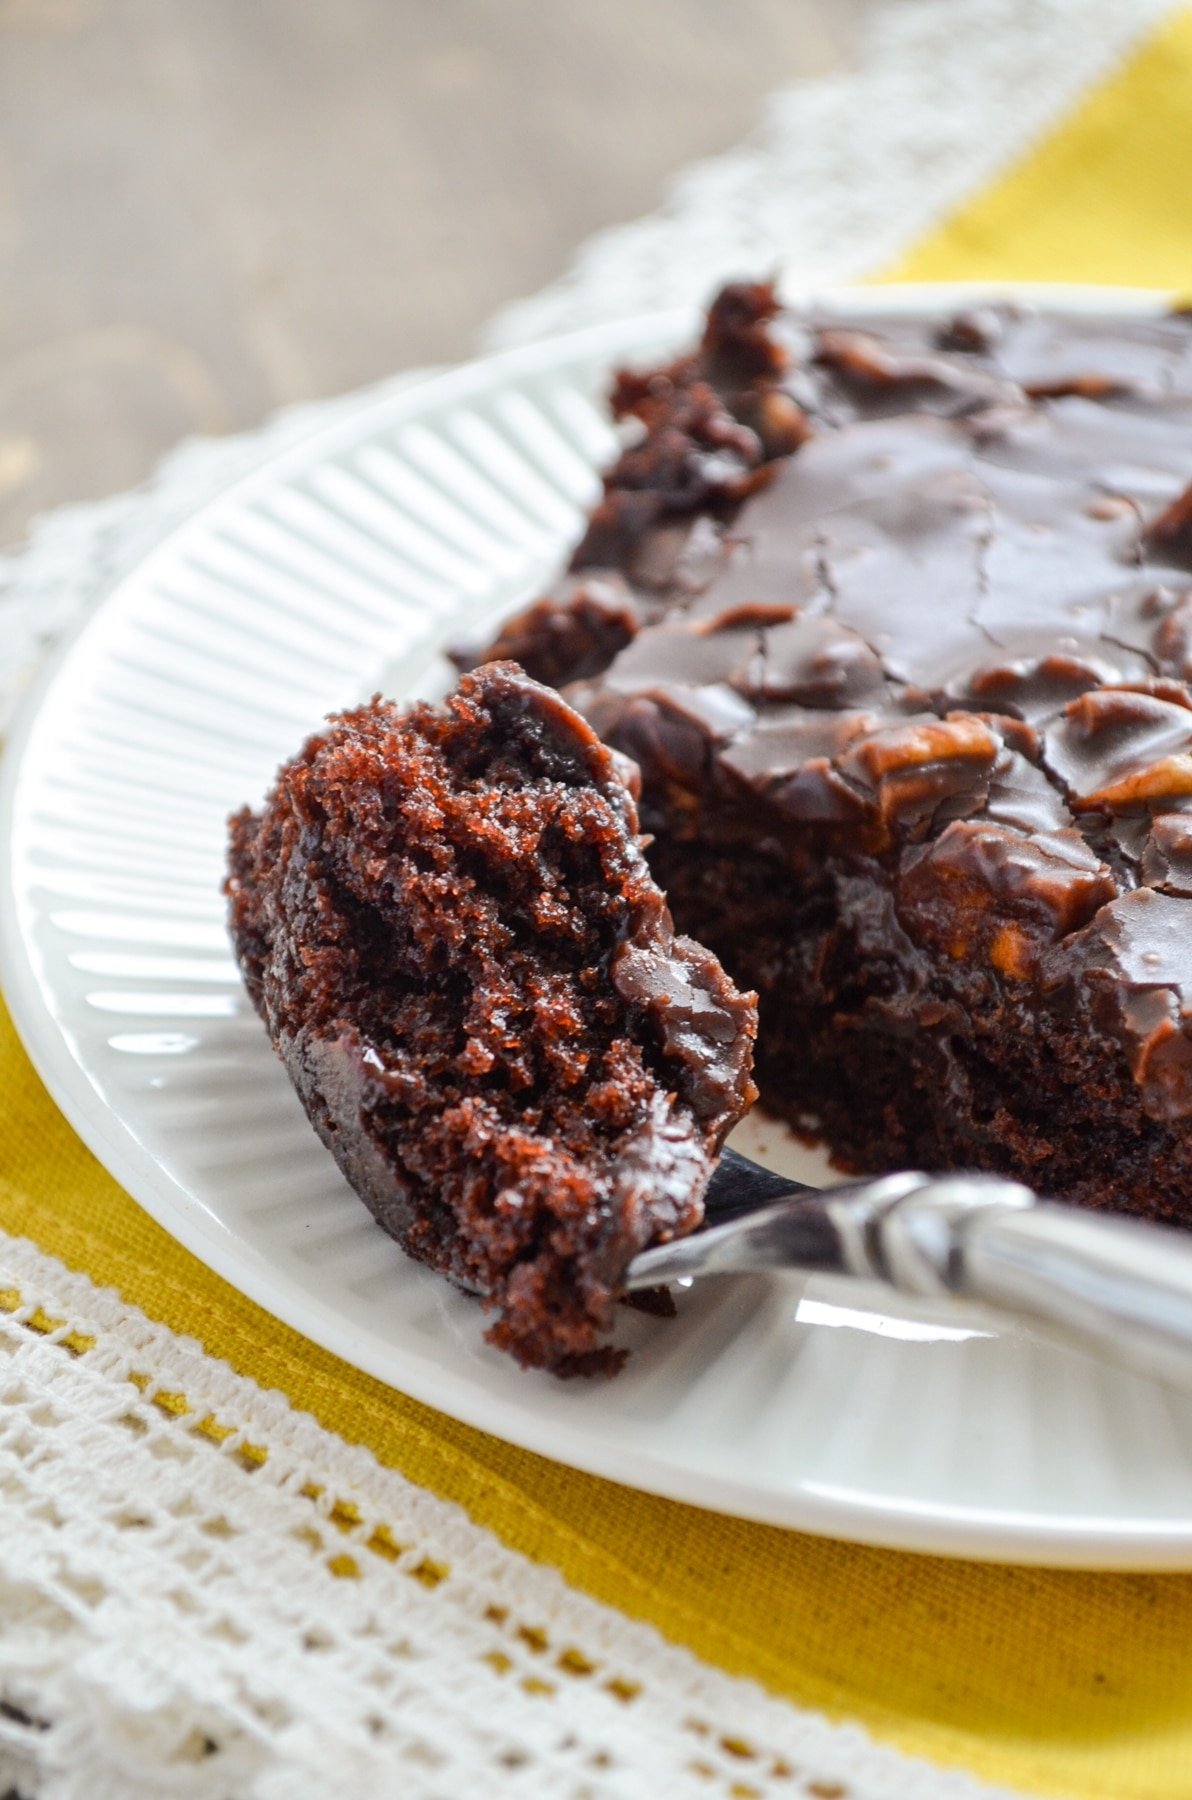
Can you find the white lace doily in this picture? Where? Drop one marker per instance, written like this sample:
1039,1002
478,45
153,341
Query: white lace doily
202,1593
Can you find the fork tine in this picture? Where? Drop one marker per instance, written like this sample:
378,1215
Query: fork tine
739,1186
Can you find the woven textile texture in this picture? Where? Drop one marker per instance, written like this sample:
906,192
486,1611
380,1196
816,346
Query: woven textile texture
204,1593
201,1590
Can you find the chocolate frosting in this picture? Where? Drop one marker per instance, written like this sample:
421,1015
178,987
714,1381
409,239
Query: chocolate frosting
951,631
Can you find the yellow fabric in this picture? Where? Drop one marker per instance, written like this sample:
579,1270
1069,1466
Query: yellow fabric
1104,198
1054,1683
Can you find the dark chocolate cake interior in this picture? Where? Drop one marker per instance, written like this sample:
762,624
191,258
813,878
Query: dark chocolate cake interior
447,923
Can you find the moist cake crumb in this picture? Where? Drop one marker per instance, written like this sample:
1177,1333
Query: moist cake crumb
446,921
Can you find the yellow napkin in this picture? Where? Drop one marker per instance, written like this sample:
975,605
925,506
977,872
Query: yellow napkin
1104,198
1059,1683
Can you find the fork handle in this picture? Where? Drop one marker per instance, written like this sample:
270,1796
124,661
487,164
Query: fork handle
1122,1287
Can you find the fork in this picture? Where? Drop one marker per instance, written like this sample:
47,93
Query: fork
1119,1287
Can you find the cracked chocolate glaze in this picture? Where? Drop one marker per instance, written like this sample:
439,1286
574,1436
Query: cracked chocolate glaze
941,653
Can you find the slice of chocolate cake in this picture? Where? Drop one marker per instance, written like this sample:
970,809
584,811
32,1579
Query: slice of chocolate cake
905,666
445,919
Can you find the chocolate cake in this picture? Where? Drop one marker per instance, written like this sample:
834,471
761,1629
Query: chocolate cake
446,921
894,614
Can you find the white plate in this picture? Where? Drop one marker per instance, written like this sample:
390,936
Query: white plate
336,568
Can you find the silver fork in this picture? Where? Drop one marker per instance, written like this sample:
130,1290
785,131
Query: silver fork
1119,1287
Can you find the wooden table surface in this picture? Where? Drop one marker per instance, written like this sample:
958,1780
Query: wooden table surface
212,207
